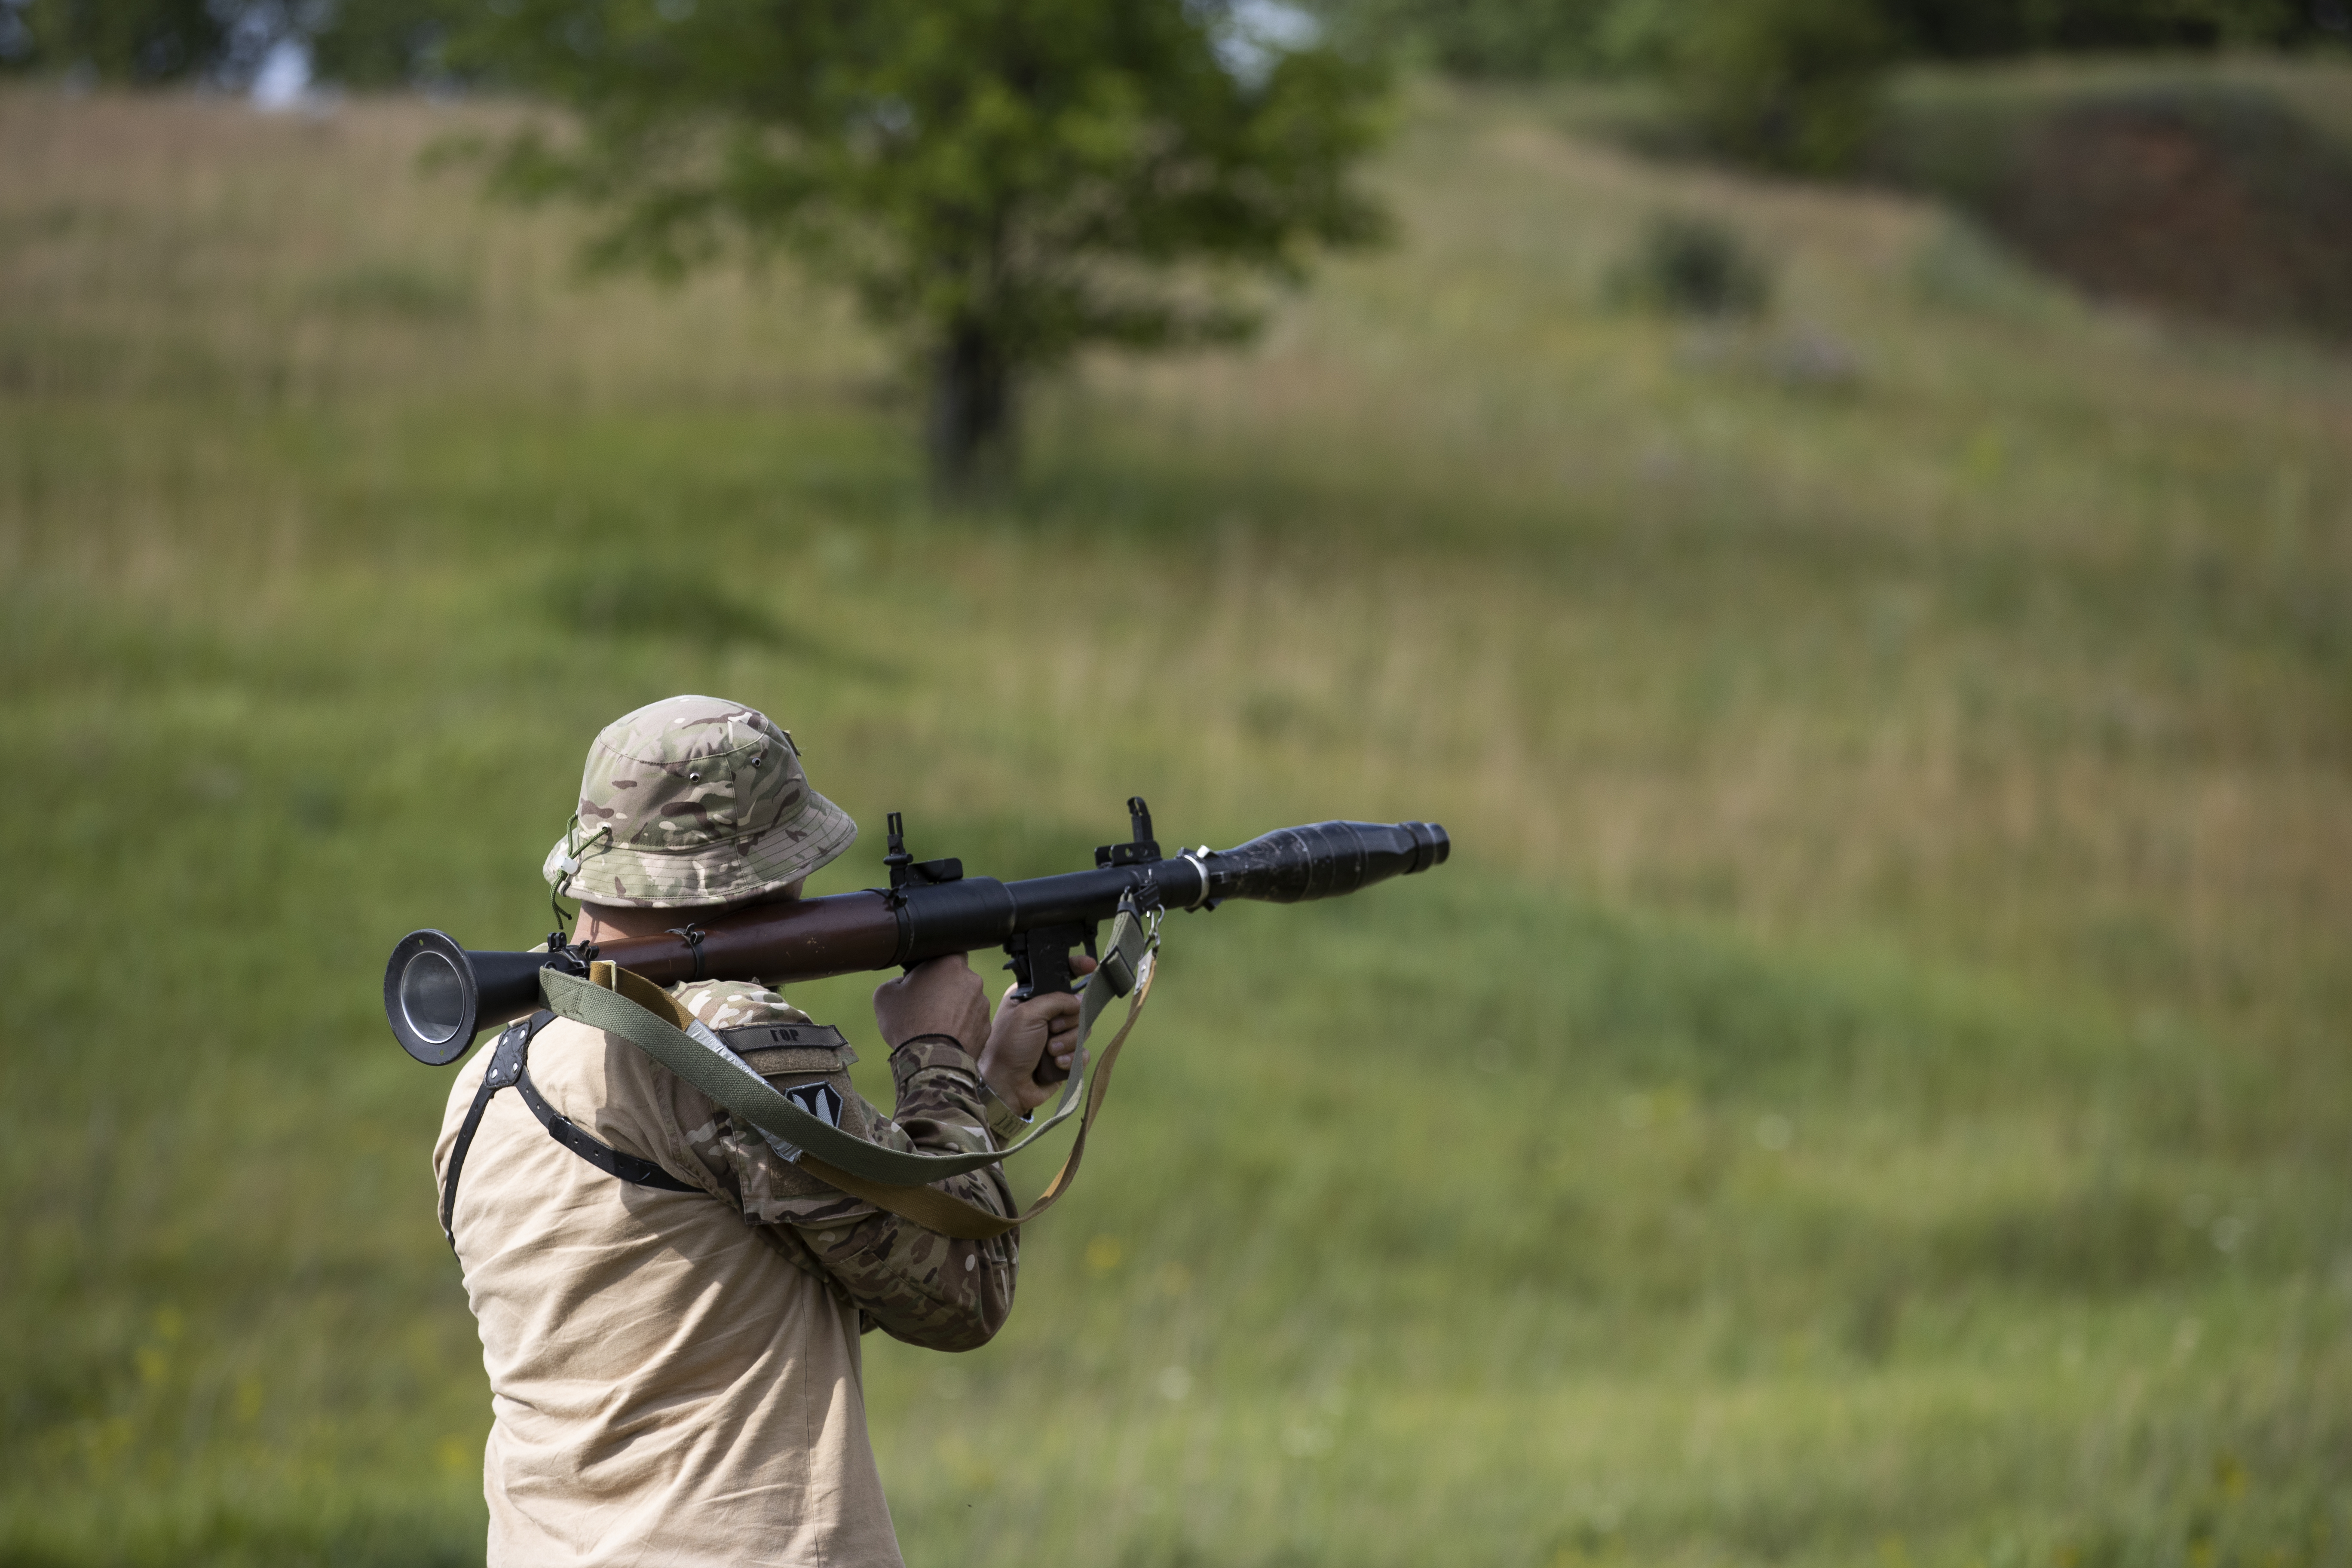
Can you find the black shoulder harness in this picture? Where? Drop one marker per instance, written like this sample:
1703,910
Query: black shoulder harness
508,1061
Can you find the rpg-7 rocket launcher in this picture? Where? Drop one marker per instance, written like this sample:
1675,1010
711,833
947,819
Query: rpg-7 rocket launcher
439,995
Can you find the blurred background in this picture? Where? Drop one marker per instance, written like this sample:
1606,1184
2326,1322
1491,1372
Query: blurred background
1843,507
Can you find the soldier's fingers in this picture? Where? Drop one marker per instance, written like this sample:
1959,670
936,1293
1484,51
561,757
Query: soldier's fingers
1052,1005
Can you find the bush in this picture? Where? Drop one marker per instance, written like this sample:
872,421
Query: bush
1693,266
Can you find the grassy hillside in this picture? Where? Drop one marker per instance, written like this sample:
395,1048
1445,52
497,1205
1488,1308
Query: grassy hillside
2219,190
1870,1088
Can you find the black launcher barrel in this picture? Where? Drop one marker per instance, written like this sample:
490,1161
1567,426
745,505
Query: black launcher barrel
438,996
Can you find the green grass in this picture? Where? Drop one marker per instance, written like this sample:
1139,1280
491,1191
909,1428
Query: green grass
1870,1088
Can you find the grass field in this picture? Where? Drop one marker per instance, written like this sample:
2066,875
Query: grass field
1870,1087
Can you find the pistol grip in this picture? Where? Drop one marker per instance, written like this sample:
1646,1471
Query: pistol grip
1041,966
1041,959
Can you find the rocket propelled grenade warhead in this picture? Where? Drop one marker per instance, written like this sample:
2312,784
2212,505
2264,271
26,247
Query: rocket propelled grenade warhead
438,996
1324,860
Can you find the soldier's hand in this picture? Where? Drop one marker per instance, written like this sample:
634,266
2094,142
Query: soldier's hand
939,996
1032,1043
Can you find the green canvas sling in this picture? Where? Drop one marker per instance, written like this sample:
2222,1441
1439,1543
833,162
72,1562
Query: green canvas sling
618,1002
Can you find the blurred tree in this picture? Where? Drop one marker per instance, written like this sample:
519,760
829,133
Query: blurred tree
999,182
380,43
1523,39
1498,39
1979,29
385,43
1786,84
359,43
118,40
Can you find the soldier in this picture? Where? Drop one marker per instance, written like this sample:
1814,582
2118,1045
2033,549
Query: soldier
669,1307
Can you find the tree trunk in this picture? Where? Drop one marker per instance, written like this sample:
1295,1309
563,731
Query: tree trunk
972,430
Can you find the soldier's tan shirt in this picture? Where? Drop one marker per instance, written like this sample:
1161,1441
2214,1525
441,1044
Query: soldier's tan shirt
674,1377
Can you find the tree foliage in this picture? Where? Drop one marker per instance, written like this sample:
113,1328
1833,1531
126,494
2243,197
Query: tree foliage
1792,84
1502,40
386,43
120,40
1986,29
371,43
1786,84
1002,181
1521,38
359,43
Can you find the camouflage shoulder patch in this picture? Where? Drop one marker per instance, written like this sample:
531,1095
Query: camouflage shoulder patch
725,1004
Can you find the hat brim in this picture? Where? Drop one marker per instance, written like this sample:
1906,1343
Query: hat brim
714,873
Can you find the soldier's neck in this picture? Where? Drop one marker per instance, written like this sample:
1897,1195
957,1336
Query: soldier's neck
609,923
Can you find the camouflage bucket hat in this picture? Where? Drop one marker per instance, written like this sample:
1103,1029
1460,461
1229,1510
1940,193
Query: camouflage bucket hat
694,801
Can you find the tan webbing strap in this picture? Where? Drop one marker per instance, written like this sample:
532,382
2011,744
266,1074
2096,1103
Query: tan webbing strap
620,1002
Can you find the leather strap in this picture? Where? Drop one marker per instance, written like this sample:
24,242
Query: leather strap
603,1156
510,1066
505,1067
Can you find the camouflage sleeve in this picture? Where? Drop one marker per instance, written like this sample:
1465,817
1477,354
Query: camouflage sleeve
915,1284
